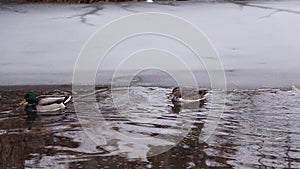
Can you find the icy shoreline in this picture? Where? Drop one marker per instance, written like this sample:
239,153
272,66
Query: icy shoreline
257,43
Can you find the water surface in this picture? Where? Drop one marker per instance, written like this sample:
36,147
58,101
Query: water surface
257,129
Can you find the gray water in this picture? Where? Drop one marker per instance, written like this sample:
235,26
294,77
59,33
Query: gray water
257,129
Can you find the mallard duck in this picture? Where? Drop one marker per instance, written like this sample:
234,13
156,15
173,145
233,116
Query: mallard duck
44,103
176,96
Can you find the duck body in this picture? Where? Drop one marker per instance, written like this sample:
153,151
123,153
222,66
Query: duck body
44,103
176,96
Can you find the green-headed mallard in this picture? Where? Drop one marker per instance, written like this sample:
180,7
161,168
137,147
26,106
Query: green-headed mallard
44,103
176,96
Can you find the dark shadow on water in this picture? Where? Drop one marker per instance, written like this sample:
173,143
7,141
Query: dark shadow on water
30,120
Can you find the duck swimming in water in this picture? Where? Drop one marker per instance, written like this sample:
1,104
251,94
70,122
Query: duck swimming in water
44,103
176,96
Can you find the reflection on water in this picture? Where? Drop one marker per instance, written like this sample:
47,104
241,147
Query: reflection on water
258,129
143,122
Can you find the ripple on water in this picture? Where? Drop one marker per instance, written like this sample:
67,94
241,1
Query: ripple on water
257,129
143,113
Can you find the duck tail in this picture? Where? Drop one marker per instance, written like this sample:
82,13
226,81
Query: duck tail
67,100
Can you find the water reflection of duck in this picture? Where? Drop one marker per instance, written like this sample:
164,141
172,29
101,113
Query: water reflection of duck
44,103
30,120
176,96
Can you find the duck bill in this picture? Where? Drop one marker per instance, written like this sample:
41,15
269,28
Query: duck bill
171,96
22,102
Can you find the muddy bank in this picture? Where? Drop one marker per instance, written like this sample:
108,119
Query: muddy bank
95,1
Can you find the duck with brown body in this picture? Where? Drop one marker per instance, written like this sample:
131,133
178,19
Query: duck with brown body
176,97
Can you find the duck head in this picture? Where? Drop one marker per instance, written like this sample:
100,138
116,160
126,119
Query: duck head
29,97
203,93
176,93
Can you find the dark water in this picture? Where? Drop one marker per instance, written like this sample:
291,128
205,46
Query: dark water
257,129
